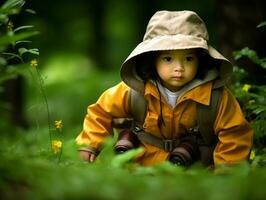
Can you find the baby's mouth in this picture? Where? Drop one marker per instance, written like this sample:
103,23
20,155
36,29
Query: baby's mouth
178,77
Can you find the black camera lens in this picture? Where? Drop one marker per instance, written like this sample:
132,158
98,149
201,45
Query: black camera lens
126,141
184,154
121,149
177,160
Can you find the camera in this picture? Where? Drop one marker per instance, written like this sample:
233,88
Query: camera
185,153
127,140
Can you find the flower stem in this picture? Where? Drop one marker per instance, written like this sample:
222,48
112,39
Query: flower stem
46,104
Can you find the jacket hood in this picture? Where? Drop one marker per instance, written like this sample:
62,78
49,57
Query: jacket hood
173,30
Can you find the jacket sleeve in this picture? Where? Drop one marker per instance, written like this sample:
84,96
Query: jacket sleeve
234,132
97,126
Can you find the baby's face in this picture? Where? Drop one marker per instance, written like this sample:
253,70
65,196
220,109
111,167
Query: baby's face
177,67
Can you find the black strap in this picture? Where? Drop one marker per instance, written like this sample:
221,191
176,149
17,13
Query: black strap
167,145
144,137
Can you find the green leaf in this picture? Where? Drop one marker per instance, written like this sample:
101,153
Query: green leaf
246,52
259,128
31,11
24,50
261,24
251,54
122,159
11,7
12,55
263,62
23,27
259,109
13,4
12,11
23,41
8,39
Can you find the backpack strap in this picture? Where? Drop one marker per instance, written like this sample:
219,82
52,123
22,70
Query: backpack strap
137,106
206,116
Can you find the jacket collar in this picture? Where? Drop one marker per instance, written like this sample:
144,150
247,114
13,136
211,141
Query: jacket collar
200,94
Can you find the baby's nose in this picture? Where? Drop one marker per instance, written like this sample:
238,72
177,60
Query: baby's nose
178,66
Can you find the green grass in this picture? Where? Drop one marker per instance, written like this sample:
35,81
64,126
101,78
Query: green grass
29,170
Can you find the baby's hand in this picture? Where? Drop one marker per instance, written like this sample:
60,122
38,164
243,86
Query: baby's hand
87,156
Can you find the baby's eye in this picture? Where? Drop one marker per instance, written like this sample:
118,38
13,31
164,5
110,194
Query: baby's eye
189,58
167,58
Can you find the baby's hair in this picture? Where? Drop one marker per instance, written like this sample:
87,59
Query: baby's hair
206,62
145,66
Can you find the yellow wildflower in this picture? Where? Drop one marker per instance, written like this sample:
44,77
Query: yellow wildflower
58,124
246,87
252,155
34,63
56,146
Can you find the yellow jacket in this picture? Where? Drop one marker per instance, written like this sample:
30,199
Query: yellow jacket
233,131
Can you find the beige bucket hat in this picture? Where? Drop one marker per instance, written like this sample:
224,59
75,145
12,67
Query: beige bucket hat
172,30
